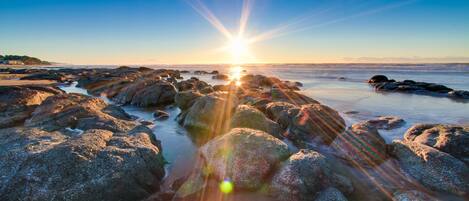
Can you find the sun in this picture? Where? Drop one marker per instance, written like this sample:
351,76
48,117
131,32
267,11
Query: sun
239,49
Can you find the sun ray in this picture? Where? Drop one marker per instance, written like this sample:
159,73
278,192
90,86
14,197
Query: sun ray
200,8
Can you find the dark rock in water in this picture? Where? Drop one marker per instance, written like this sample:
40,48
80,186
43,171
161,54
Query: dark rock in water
423,88
352,112
146,123
387,122
245,156
378,79
207,90
330,194
48,76
361,145
96,165
412,195
451,139
210,115
281,112
18,102
77,111
302,176
434,169
316,120
160,115
184,71
249,117
221,77
214,72
200,72
185,99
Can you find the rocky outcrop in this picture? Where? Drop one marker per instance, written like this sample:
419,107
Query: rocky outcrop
330,194
249,117
381,83
434,169
451,139
244,156
192,84
316,121
281,112
302,176
96,165
18,102
146,93
361,145
221,77
210,115
79,111
386,122
412,195
185,99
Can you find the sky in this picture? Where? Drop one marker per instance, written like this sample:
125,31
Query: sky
276,31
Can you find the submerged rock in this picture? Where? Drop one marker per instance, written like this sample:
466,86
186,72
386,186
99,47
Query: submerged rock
96,165
249,117
244,156
378,79
434,169
387,122
451,139
361,145
302,176
160,115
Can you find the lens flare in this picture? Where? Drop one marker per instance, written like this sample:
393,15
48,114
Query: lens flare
226,186
235,75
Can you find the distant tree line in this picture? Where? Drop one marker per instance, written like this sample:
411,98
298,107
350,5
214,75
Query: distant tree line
25,59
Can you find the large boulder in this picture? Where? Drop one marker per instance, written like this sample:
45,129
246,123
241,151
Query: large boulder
79,111
451,139
244,156
302,176
378,79
361,145
147,92
432,168
18,102
316,121
185,99
192,84
249,117
281,112
210,115
96,165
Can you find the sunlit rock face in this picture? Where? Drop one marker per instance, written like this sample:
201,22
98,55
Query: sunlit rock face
249,117
360,145
18,102
451,139
303,175
210,115
244,156
434,169
147,92
79,111
316,121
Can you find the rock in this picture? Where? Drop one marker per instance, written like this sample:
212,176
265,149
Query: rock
77,111
245,156
387,122
281,112
361,145
432,168
191,84
146,93
451,139
210,115
221,77
160,115
330,194
200,72
214,72
378,79
249,117
146,123
316,121
290,96
59,77
459,94
412,195
302,176
96,165
185,99
18,102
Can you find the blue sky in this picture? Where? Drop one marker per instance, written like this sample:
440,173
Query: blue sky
171,31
